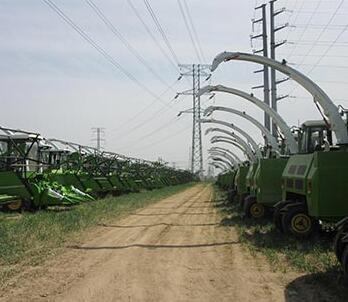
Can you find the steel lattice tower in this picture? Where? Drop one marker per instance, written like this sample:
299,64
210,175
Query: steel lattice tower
196,71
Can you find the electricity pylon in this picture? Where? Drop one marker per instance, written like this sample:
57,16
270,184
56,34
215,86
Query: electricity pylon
196,71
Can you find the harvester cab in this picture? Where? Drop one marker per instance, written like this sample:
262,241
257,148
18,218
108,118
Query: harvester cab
263,180
22,169
314,136
17,158
263,183
313,182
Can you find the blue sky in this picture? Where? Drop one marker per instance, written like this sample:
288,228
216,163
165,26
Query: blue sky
55,83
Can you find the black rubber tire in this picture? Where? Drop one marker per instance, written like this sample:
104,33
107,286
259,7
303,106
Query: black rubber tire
277,217
338,244
344,262
296,222
102,194
241,202
251,208
241,198
15,206
257,210
247,203
231,195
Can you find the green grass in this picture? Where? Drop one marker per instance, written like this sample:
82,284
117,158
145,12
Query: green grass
29,238
314,255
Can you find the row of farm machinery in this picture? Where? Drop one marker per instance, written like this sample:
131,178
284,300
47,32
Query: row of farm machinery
36,172
300,180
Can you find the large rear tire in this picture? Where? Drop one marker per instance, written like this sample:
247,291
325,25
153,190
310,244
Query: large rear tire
241,199
14,205
338,244
253,209
297,222
231,195
277,217
257,210
344,261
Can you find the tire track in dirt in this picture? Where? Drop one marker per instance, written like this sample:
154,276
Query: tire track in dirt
58,273
173,250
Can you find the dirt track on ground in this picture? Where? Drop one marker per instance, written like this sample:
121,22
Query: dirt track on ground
173,250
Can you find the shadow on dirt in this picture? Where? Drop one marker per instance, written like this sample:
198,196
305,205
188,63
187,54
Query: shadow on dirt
327,286
155,246
189,207
172,213
158,224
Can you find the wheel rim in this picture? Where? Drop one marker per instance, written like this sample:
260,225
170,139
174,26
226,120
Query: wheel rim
14,205
257,210
301,223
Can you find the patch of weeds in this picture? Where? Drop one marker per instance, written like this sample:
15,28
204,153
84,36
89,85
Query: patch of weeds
312,255
29,238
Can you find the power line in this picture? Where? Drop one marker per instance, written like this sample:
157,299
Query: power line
335,99
161,31
296,17
147,29
319,43
315,55
194,30
97,47
162,140
116,32
322,13
323,31
317,40
306,27
323,66
130,48
151,118
320,26
104,53
155,131
328,49
189,31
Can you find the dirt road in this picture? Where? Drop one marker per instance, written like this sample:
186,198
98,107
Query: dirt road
174,250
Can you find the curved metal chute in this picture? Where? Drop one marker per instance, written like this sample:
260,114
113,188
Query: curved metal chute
226,155
330,109
243,114
222,159
237,138
238,160
232,126
277,119
220,165
225,139
222,168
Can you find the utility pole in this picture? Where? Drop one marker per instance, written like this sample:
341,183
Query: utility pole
265,70
210,171
273,46
190,159
196,71
98,132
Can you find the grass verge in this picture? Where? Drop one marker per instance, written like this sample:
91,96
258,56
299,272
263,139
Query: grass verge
313,255
322,280
29,238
